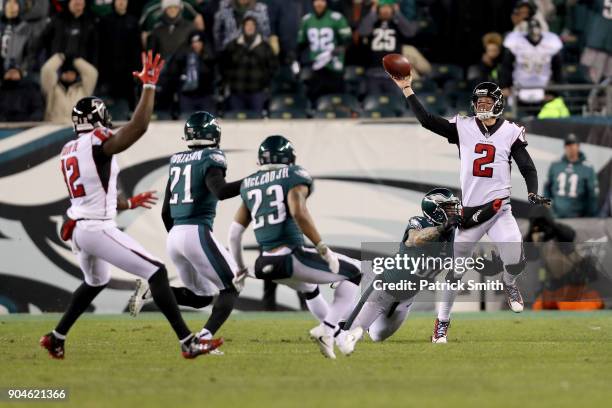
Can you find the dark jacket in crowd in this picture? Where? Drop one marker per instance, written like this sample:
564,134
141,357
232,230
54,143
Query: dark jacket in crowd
119,53
196,73
248,65
16,43
170,35
20,101
76,37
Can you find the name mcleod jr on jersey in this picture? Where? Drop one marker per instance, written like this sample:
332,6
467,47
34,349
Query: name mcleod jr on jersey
266,177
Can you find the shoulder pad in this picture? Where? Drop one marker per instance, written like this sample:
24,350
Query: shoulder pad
552,40
217,156
336,16
417,223
100,135
513,39
306,17
300,171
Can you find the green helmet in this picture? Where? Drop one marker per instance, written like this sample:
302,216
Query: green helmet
202,129
439,204
276,149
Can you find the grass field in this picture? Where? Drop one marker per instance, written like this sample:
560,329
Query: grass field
492,360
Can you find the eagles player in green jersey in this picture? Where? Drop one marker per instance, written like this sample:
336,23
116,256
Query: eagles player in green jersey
382,312
274,200
196,183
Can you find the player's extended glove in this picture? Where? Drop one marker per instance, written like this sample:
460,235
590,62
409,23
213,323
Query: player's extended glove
151,67
239,279
450,224
538,199
146,200
330,257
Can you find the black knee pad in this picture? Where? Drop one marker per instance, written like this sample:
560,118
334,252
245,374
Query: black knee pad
226,299
160,275
311,295
517,268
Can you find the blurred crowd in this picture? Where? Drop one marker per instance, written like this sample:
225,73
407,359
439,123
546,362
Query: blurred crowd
296,58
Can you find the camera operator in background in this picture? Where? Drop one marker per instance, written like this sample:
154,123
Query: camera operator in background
568,272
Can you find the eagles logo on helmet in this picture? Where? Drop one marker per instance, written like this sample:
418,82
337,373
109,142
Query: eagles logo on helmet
89,113
489,90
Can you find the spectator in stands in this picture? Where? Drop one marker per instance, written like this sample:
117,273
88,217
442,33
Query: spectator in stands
284,25
20,99
119,53
153,12
16,37
325,34
72,32
172,32
248,64
572,183
488,67
101,8
64,81
229,16
196,70
385,30
598,52
531,61
36,12
524,11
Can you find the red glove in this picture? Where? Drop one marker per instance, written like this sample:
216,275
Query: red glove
150,68
145,200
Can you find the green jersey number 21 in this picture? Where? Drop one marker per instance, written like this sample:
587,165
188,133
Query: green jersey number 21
175,174
277,201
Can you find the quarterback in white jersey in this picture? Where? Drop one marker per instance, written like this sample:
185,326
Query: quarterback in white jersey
487,145
90,170
532,60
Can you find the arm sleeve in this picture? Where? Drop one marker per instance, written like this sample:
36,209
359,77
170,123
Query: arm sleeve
48,73
407,28
215,181
166,217
436,124
523,160
235,242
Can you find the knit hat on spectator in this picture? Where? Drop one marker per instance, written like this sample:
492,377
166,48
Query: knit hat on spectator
386,2
68,65
169,3
571,139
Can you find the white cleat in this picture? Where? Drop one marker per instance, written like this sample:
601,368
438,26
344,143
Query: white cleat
514,298
324,340
346,341
139,297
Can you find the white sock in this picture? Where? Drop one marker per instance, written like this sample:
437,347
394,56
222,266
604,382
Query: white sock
448,298
508,278
344,301
205,334
59,336
318,307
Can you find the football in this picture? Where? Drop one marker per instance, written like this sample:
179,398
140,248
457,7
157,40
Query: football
396,65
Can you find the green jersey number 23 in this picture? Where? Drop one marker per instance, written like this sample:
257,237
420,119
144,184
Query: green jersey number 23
276,200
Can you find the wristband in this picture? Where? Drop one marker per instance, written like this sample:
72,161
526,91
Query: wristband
148,86
406,87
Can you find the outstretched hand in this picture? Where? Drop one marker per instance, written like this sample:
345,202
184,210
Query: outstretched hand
151,67
405,84
146,200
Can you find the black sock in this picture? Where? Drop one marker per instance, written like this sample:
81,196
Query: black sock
81,299
165,301
185,297
221,310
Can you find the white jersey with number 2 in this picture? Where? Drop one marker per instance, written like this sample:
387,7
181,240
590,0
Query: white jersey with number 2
485,158
91,176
